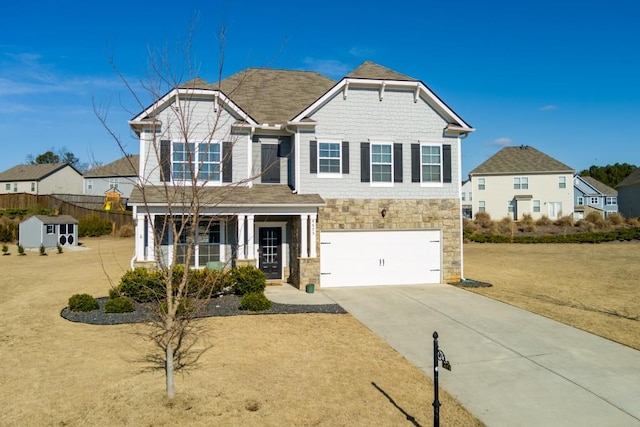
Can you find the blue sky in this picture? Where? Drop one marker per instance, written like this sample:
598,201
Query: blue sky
563,77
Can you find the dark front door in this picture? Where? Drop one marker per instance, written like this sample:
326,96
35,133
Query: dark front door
270,252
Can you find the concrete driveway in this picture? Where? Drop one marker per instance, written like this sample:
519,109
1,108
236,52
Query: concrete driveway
509,367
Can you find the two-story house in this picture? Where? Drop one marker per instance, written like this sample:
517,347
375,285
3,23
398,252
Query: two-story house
466,198
522,180
120,175
629,195
347,183
592,195
46,178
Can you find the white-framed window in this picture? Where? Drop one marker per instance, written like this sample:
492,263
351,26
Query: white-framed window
431,163
594,200
329,157
33,186
580,200
562,182
464,196
201,159
470,196
481,184
481,206
51,229
7,186
208,241
15,187
113,183
511,206
89,184
382,163
521,183
536,205
611,201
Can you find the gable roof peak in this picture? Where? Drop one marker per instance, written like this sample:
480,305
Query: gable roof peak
371,70
520,159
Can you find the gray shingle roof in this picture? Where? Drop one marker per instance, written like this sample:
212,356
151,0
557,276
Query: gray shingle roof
371,70
600,186
523,159
126,166
269,95
57,219
31,172
632,179
259,194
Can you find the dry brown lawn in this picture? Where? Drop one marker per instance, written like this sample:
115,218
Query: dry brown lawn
592,287
276,370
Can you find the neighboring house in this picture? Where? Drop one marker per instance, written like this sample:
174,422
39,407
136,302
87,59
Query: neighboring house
522,180
355,182
629,195
467,200
46,178
49,231
121,175
593,195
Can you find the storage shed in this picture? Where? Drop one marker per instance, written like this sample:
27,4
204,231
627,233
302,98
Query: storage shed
49,230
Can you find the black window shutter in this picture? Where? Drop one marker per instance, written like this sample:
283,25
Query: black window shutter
415,162
345,157
227,161
446,163
397,162
313,156
165,160
365,175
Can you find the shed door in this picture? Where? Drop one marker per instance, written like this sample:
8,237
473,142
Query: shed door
65,234
370,258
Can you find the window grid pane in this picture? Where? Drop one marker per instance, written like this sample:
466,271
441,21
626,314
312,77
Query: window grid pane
381,163
431,163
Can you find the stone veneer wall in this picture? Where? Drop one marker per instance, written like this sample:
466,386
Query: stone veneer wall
402,214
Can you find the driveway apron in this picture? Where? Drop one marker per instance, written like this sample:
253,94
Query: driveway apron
509,367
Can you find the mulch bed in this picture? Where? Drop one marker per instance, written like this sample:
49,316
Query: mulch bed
225,305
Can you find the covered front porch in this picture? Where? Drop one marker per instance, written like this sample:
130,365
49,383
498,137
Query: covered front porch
278,237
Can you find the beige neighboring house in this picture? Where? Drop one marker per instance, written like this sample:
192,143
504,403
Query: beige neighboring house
522,180
121,175
46,178
629,195
466,200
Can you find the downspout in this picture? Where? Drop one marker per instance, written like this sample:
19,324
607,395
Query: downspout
460,138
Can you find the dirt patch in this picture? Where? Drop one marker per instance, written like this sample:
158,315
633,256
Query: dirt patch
269,370
593,287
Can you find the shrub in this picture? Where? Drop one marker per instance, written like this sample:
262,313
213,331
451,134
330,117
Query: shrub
186,308
141,285
506,226
483,220
43,250
544,221
119,305
596,219
83,302
615,219
114,292
255,301
527,224
565,221
5,249
94,226
8,231
59,248
126,231
247,279
633,222
585,226
20,249
205,283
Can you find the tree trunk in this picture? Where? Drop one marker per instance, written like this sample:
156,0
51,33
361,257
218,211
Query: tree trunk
171,390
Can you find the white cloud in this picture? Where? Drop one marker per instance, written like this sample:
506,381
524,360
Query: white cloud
361,52
548,108
328,67
502,142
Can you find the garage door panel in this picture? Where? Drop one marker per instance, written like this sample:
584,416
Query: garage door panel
369,258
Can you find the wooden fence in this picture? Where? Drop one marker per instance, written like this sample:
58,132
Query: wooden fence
26,201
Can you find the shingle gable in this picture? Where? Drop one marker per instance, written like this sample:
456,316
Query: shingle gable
632,179
31,172
600,186
371,70
523,159
126,166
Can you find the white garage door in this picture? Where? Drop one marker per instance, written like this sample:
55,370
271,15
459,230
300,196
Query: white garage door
369,258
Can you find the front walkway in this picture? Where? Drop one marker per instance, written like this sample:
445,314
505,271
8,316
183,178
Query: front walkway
509,367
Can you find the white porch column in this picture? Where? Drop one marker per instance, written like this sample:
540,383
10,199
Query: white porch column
251,253
140,255
312,236
241,237
151,238
304,232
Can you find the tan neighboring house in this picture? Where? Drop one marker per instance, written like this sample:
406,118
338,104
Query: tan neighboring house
522,180
121,175
46,178
353,182
629,195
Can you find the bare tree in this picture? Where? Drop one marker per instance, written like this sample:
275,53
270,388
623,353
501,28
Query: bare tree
175,114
